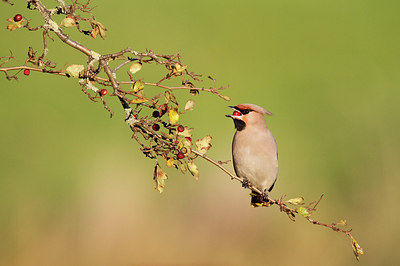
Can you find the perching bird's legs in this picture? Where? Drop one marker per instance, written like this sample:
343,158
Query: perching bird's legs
245,183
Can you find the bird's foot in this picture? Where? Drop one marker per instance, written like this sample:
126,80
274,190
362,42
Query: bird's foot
264,196
245,183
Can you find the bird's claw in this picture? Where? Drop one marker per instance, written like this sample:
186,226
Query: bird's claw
245,183
264,196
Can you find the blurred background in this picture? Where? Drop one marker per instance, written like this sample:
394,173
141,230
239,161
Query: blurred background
76,190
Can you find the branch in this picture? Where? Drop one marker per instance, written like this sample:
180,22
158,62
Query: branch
305,212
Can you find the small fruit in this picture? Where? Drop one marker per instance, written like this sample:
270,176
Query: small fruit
236,113
103,92
156,114
18,18
156,127
27,72
181,155
181,128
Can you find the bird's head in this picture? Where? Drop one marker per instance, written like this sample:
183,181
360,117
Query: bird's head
248,115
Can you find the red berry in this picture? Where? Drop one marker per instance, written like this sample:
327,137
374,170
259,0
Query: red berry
156,114
103,92
27,72
181,155
181,128
156,127
236,113
18,17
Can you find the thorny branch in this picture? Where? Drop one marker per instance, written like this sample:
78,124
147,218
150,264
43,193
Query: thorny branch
172,143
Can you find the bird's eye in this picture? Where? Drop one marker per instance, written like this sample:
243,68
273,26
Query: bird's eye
246,111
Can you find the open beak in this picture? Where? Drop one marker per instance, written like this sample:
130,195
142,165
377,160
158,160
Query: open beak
234,116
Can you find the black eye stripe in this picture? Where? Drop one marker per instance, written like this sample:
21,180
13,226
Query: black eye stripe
245,111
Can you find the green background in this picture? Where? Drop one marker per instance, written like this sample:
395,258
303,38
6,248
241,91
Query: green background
76,190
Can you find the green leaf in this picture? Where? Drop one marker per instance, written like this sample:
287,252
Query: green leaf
303,211
139,85
296,201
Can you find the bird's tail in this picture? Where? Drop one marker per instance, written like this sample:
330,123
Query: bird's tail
258,201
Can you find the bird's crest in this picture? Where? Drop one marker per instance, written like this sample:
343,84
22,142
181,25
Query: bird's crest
252,107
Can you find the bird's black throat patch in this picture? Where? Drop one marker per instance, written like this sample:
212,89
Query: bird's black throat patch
239,124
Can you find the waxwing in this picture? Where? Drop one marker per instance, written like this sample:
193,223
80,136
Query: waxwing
254,150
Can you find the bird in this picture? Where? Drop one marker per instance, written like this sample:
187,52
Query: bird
254,151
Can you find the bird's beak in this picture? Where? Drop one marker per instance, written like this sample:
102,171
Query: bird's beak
234,116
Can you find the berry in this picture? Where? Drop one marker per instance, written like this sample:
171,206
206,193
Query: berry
27,72
156,114
181,128
181,155
18,18
188,138
103,92
236,113
156,127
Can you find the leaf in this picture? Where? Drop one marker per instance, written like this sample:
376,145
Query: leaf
173,115
296,201
170,97
95,32
166,135
357,249
178,69
159,177
226,98
303,211
182,167
138,100
75,70
98,28
135,67
186,132
189,105
170,162
139,85
15,25
68,22
193,169
291,216
204,144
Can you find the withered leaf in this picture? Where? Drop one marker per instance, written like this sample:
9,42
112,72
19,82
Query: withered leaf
204,144
159,177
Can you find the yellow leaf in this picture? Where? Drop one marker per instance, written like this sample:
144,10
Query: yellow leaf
170,162
95,32
193,169
139,85
15,25
204,144
189,105
178,69
173,115
135,67
102,32
138,100
159,177
75,70
296,201
68,22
